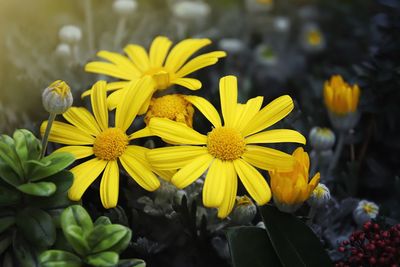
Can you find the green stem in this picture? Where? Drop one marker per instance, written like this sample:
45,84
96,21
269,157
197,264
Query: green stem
314,163
46,133
336,155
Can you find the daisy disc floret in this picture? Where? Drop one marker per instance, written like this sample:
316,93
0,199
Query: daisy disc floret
228,150
165,67
90,135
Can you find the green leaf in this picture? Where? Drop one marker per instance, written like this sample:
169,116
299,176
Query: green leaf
77,239
294,242
103,259
102,220
40,189
6,222
8,196
77,215
250,246
5,241
59,161
112,237
9,156
24,252
37,227
27,145
8,175
131,263
59,258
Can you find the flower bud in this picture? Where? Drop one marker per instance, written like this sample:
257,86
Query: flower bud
244,211
282,24
70,34
231,45
320,196
189,10
124,7
63,50
365,211
57,98
321,139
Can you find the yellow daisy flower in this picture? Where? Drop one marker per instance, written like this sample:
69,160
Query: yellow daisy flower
227,150
166,69
291,189
89,135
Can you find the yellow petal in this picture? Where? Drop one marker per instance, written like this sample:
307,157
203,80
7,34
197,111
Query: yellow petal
159,50
228,94
139,56
230,190
270,114
206,108
116,97
83,119
253,181
176,132
182,51
200,62
109,185
215,184
79,152
268,159
192,171
134,97
250,109
64,133
189,83
84,175
112,86
121,62
108,69
139,170
176,157
165,174
99,106
145,132
276,136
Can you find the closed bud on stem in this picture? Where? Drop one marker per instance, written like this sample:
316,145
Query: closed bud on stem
124,7
320,196
365,211
57,98
321,139
70,34
244,212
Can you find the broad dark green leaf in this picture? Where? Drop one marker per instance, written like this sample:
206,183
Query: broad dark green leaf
102,220
37,227
59,258
6,222
131,263
27,145
8,154
25,253
8,175
103,259
113,237
77,215
294,242
8,196
5,241
77,239
250,246
59,161
40,189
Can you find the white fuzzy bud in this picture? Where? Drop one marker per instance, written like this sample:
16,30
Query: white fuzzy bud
244,212
282,24
124,7
231,45
320,196
70,34
365,211
63,50
321,139
57,98
188,10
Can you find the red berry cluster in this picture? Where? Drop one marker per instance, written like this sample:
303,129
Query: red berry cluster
371,246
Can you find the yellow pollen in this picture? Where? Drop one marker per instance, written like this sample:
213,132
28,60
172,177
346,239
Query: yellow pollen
173,107
225,143
110,144
314,37
243,201
368,208
61,88
160,76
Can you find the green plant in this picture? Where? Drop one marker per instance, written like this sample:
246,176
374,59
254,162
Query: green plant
33,193
95,244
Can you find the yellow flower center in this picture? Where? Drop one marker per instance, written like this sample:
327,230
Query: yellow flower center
110,144
225,143
61,88
369,208
160,76
314,37
173,107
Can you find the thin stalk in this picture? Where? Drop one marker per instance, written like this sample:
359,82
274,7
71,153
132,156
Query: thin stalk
120,32
311,215
314,163
89,24
75,54
338,151
47,133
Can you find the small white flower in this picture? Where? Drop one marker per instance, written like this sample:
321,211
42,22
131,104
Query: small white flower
312,38
63,50
70,34
188,10
320,196
124,7
365,211
282,24
321,139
